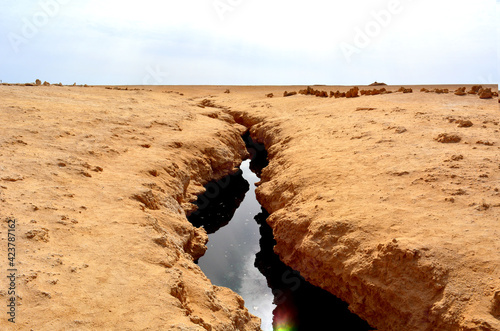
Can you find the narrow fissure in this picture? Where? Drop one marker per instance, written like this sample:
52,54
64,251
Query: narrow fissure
240,256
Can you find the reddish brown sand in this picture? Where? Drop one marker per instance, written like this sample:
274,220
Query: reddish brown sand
367,200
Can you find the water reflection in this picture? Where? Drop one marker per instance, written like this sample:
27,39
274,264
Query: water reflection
232,246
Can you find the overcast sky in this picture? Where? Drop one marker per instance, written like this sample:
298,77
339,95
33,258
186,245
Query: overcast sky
250,42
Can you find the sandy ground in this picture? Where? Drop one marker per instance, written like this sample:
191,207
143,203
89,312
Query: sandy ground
365,202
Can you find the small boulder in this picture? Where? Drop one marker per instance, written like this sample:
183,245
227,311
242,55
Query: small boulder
460,91
464,123
486,94
352,93
447,138
474,89
321,94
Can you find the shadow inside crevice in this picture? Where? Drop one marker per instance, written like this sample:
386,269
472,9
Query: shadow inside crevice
216,207
258,154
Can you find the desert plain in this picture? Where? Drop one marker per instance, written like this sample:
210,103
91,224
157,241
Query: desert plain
390,202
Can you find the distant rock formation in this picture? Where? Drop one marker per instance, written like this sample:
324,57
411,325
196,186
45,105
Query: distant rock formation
310,91
475,89
270,95
38,82
460,91
289,94
374,91
352,93
46,83
338,94
227,91
378,84
405,90
485,93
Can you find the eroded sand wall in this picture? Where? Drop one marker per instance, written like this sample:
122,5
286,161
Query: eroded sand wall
366,203
99,181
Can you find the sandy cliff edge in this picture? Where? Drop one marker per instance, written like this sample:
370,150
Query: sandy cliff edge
367,203
98,182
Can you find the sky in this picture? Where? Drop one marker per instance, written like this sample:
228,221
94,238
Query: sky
250,42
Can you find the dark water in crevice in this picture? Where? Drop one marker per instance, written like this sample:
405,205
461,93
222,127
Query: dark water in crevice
240,256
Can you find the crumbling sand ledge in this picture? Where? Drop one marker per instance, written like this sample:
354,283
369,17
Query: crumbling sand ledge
365,203
99,182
